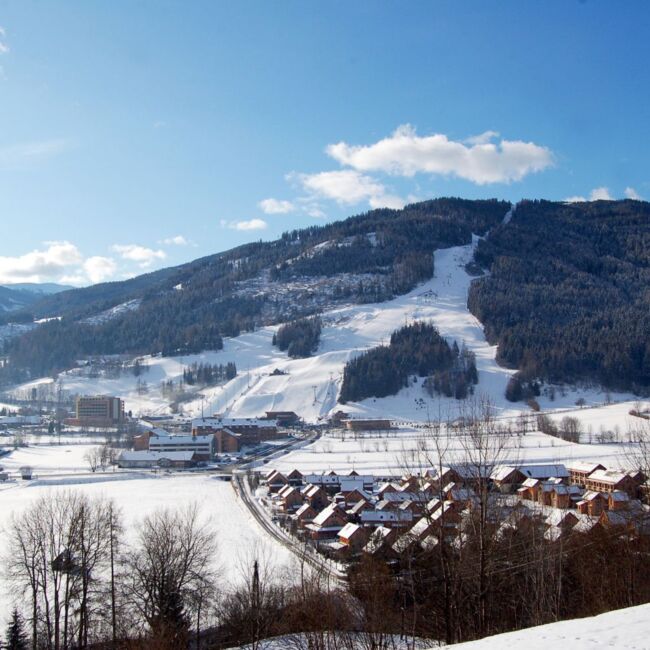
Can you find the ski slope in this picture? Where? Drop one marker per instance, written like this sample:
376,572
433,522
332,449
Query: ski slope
310,386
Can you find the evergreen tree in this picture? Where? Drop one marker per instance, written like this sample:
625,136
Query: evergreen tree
15,637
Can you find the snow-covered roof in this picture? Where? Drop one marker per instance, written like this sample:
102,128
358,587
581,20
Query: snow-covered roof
323,516
169,440
584,466
609,476
233,422
544,471
156,455
348,530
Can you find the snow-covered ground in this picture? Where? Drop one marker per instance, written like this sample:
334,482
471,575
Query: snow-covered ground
416,449
623,629
310,386
239,537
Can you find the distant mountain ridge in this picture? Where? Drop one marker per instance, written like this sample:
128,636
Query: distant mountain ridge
367,258
566,297
42,288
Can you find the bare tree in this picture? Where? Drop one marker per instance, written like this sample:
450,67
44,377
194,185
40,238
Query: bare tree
170,574
58,554
93,457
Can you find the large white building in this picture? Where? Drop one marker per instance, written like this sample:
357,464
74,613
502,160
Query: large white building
204,446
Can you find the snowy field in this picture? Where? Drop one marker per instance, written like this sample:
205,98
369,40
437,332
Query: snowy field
416,449
239,538
310,386
623,629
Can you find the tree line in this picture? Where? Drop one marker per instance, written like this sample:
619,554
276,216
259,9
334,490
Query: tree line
416,349
300,338
190,308
566,298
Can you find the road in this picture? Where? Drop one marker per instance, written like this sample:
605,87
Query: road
242,488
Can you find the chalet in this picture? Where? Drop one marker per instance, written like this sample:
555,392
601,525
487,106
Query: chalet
275,481
295,477
380,542
385,488
530,489
304,515
354,537
618,500
592,504
409,483
459,495
353,496
360,506
506,477
141,441
446,517
414,507
315,496
290,499
387,518
565,496
603,480
586,524
438,476
327,524
563,519
580,471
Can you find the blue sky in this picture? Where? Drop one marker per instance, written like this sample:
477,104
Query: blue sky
136,135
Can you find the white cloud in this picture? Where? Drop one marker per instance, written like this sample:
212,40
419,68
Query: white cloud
99,269
404,153
178,240
19,156
387,201
276,206
252,224
575,199
631,193
142,255
4,48
600,194
348,187
482,138
57,259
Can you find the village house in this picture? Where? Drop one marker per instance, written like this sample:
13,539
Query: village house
386,517
316,496
304,515
603,480
530,489
290,498
380,542
275,481
592,504
295,478
327,523
355,511
354,537
580,471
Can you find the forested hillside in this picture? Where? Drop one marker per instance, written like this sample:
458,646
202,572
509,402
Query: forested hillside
568,293
185,309
416,349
